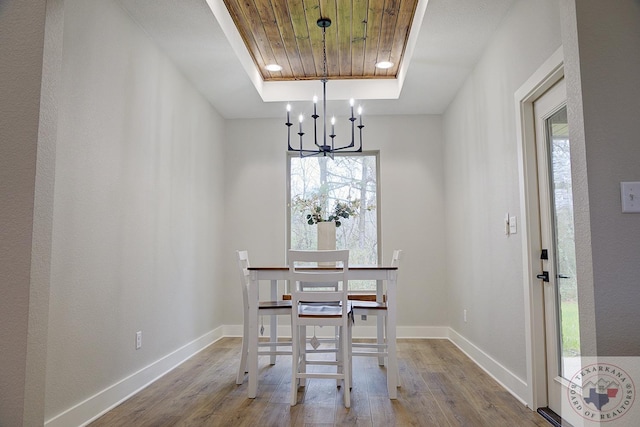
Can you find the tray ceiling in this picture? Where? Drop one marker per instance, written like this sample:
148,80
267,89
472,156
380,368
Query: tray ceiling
362,33
446,39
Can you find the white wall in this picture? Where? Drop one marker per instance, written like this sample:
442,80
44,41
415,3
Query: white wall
603,112
21,47
484,266
138,209
411,175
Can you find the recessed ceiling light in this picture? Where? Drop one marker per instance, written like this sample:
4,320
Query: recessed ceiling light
384,65
273,67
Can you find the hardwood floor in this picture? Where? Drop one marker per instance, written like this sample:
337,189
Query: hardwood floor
440,387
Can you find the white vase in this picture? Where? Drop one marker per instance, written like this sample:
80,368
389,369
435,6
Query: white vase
326,235
326,240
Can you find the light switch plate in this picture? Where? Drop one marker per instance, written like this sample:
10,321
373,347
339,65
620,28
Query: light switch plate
513,225
630,196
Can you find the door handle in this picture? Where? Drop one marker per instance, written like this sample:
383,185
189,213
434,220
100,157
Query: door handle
544,276
562,276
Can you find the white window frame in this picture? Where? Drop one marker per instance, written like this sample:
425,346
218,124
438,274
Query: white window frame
374,153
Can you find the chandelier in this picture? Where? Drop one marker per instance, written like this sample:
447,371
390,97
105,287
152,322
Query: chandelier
324,147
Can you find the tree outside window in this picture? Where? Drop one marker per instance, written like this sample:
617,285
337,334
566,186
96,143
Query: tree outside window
343,190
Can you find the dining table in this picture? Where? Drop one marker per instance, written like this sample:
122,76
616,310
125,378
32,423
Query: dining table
386,280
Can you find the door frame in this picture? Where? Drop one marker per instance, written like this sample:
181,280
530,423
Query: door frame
548,74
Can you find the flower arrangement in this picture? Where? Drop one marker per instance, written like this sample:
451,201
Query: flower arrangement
315,209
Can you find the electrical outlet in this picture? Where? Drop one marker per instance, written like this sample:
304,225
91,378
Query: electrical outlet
138,340
464,313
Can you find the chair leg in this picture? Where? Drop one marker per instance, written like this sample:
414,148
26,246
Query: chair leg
242,369
346,365
273,337
302,351
339,354
350,354
295,364
381,322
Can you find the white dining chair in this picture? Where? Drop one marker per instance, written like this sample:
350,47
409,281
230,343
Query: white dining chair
320,306
381,347
273,347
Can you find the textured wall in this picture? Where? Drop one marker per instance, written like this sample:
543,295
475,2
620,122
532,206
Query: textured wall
607,129
137,208
21,47
484,266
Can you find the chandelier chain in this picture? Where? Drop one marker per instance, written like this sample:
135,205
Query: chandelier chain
324,54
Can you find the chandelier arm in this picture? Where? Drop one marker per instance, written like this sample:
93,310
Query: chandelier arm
359,150
289,136
352,144
312,153
301,134
315,128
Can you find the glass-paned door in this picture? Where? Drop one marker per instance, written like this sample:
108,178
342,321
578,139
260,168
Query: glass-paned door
558,260
565,254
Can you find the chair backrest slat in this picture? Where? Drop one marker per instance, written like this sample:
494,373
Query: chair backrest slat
307,281
243,270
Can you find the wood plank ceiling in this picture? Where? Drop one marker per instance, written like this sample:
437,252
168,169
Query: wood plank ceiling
362,33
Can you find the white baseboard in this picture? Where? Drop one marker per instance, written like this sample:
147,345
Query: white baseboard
507,379
98,404
95,406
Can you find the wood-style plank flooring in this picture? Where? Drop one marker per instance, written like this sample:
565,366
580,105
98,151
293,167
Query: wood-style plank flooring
440,387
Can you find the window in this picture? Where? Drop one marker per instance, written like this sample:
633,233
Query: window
350,179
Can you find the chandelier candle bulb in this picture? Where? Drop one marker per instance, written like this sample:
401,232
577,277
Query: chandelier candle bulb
333,122
351,102
360,114
288,111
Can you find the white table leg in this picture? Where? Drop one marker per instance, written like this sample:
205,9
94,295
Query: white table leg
252,363
380,321
392,367
273,322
